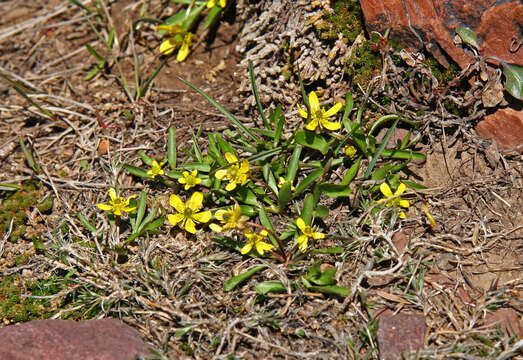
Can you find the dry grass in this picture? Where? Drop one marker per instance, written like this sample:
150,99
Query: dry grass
170,287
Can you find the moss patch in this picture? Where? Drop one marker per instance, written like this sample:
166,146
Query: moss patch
347,19
14,207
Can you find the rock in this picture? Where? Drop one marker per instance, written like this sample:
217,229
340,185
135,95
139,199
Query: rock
400,333
105,339
508,319
505,128
432,24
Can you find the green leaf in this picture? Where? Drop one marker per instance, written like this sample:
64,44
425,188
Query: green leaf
403,154
264,219
9,187
321,212
230,116
468,36
514,77
197,166
79,4
28,156
326,277
349,104
414,185
147,160
237,280
335,190
381,148
308,208
352,172
267,287
308,181
284,195
257,97
329,290
247,196
293,164
215,11
142,204
312,140
268,176
95,53
224,145
137,171
193,15
86,223
333,251
171,148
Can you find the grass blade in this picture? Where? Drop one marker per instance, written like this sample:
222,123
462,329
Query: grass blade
171,148
257,97
381,148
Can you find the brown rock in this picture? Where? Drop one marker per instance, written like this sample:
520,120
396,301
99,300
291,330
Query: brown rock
105,339
400,333
103,147
400,241
432,24
508,319
505,128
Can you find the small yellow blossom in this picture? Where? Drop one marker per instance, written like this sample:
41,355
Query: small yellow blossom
156,169
319,117
282,181
188,214
255,240
307,232
232,218
177,38
236,173
116,204
190,179
212,3
350,151
396,202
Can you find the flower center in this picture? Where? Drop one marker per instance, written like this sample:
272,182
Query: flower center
187,213
232,172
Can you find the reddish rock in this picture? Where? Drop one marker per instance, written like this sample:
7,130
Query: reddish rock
105,339
400,241
508,319
432,24
400,333
504,128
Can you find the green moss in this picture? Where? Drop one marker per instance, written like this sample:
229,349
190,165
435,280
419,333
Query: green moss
364,64
347,19
14,206
444,76
14,308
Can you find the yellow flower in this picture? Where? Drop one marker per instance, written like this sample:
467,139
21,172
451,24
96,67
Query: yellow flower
156,169
307,232
232,218
188,214
255,240
116,205
320,117
396,202
177,38
350,151
212,3
236,173
282,181
190,180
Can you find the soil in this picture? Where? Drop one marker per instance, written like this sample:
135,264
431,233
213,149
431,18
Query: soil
470,264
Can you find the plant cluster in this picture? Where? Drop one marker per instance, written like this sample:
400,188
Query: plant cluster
251,178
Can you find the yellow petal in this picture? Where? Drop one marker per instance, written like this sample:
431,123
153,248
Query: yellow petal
195,201
222,3
189,226
401,189
312,125
182,180
175,219
329,125
231,186
313,102
333,110
215,227
302,112
385,190
167,46
202,217
104,207
402,215
246,248
261,247
220,174
244,167
302,242
112,194
231,158
301,224
318,235
210,4
184,50
219,214
129,209
177,203
404,203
